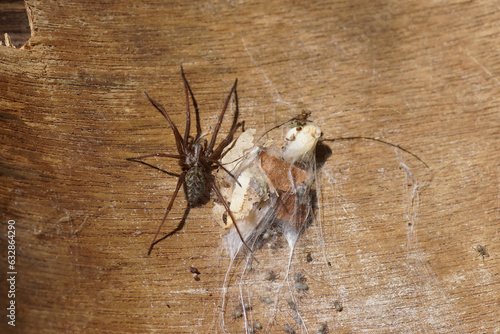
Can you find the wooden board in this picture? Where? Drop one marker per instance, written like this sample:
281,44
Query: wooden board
393,241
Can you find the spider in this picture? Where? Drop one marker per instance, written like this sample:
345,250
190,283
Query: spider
197,158
482,251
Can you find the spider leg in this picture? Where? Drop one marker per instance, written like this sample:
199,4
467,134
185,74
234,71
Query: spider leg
234,127
153,166
188,114
166,155
195,105
221,116
139,160
226,206
236,111
179,227
221,166
179,184
218,151
177,135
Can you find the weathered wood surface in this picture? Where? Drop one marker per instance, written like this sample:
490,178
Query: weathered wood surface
399,237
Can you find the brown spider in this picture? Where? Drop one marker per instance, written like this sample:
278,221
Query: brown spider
197,158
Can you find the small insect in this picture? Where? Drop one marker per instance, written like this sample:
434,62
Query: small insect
300,280
338,306
309,257
266,300
292,304
299,277
257,325
270,276
195,273
296,122
197,158
300,120
194,270
322,328
237,314
482,251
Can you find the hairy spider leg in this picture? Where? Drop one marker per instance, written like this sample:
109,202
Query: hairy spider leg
223,168
218,151
237,112
226,206
177,135
152,166
208,152
170,204
188,114
179,141
165,155
195,105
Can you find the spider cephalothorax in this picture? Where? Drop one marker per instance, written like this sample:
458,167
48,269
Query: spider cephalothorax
197,158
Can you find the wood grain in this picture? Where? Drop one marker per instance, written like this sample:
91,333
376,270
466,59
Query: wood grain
394,241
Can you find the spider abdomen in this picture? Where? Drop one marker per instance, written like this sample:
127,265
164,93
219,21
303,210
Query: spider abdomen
194,184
